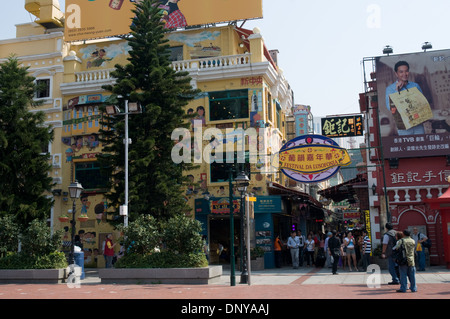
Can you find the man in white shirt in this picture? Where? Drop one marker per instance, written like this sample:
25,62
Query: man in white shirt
293,245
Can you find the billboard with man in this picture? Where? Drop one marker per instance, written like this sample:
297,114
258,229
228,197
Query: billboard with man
91,19
414,103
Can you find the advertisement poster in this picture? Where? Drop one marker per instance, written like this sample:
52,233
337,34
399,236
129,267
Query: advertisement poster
414,103
107,18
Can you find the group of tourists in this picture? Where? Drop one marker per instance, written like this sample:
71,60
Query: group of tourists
403,250
354,250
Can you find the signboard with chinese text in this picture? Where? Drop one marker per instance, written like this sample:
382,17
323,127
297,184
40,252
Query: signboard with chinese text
351,215
311,158
342,126
222,206
268,204
301,113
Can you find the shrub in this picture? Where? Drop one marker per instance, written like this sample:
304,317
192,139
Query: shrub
141,236
53,260
39,249
9,235
178,238
37,239
182,234
163,259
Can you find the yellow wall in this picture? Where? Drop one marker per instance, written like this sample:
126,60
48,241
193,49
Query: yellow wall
48,56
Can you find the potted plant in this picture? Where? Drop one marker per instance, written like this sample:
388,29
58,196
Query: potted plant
63,218
257,258
83,218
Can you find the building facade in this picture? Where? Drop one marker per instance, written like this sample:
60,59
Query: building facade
405,170
242,88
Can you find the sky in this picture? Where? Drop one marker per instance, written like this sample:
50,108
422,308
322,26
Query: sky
322,44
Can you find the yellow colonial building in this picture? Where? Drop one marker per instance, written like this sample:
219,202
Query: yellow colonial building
242,87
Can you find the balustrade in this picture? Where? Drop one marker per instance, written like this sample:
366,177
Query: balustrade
413,193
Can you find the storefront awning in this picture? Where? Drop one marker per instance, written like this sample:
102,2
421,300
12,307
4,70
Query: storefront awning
346,190
278,189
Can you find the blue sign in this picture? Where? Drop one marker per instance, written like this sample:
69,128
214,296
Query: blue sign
268,204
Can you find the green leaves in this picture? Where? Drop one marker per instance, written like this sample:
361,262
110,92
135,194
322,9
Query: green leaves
148,77
24,165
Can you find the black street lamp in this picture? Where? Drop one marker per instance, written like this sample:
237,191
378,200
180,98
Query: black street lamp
75,190
242,182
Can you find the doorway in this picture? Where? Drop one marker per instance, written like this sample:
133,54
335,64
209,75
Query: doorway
219,238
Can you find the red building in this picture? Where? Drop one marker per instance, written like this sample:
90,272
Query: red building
408,140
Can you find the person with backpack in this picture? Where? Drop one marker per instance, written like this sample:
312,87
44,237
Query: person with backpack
389,241
420,240
334,250
406,247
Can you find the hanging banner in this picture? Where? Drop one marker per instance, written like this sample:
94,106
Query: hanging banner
311,158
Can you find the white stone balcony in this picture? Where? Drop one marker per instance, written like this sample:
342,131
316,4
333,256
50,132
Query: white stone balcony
93,75
408,194
220,62
200,70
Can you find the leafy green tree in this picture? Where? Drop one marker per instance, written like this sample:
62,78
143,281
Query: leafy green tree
24,167
155,182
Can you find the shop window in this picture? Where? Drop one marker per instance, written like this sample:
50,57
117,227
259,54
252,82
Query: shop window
228,105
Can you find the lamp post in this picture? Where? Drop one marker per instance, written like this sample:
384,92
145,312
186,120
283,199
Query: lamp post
242,182
232,265
130,108
75,190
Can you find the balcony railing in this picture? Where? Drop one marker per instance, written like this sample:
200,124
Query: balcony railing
409,194
94,75
221,62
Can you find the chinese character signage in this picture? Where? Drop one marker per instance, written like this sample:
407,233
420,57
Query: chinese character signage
268,204
342,126
311,158
222,206
106,18
301,114
413,103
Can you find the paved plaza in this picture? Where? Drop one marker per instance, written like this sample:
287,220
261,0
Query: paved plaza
283,283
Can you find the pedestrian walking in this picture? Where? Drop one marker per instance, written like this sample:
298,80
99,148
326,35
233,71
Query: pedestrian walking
293,245
389,241
108,251
277,246
325,248
310,246
301,250
334,250
366,250
408,269
419,238
351,251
